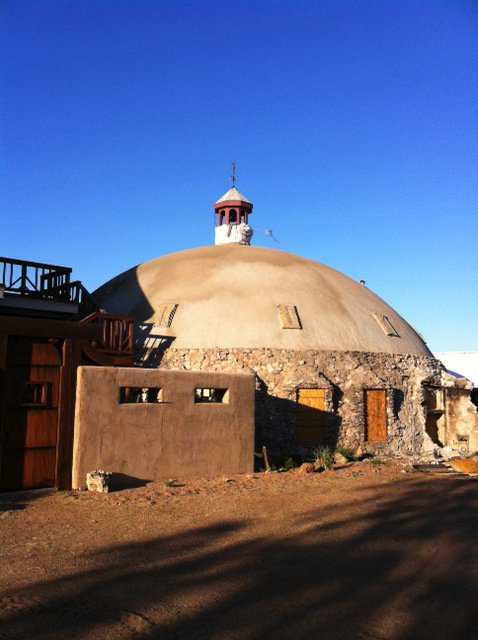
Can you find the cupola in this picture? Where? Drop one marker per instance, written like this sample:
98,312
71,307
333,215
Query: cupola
232,218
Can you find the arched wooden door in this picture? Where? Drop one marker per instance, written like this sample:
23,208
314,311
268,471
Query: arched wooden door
31,397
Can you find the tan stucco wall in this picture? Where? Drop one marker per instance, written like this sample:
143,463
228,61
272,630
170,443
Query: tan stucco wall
173,439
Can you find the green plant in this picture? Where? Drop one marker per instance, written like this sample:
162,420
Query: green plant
289,464
377,461
347,452
323,458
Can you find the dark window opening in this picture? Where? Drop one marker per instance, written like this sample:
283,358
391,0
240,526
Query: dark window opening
474,396
35,394
140,395
232,216
212,395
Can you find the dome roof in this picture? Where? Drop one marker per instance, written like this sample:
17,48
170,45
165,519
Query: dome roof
233,195
231,296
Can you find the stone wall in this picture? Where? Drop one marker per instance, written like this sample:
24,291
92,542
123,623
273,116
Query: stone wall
280,373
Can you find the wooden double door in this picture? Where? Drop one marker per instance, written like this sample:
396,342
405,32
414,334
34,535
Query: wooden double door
30,401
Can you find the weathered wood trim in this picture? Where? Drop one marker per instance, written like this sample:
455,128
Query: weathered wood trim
66,414
3,396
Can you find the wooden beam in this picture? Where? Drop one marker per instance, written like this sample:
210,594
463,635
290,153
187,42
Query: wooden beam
66,414
46,328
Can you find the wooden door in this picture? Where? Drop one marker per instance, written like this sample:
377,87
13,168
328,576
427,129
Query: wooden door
312,417
31,413
375,415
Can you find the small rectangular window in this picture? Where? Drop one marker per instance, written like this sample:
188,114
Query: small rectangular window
211,395
165,314
386,325
140,395
289,316
35,394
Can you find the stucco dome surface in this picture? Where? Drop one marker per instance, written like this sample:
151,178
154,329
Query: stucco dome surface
227,297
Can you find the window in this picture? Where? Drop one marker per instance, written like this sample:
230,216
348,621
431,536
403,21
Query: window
140,395
232,216
165,314
211,395
386,325
35,394
289,316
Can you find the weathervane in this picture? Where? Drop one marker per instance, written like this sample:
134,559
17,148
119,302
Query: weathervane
233,175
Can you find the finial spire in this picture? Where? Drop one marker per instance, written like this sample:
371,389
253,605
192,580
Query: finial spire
234,174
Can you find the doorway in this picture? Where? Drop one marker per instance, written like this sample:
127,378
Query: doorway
375,415
312,417
30,399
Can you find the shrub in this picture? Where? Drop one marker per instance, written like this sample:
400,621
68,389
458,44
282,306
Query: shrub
347,452
323,458
289,464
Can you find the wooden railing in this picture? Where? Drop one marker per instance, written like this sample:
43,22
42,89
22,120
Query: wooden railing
24,277
44,281
116,333
73,292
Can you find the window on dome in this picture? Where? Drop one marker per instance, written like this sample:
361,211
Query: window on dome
386,325
232,216
165,314
289,316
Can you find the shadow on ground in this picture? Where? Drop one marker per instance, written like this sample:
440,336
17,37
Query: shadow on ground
18,500
398,561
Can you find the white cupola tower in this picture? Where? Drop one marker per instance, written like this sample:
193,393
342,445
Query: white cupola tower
232,217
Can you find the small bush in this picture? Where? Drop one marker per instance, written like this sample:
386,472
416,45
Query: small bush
347,452
323,458
377,461
289,464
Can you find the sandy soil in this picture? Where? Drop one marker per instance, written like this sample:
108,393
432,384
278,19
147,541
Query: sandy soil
366,552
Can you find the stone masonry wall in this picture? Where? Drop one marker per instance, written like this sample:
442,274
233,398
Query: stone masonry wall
280,373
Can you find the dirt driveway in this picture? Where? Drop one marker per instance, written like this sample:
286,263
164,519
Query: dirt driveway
365,552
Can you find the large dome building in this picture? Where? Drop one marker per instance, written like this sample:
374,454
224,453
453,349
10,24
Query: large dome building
334,363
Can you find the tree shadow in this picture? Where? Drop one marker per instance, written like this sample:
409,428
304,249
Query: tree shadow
397,561
18,500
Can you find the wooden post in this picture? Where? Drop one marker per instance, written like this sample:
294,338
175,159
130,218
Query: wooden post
66,414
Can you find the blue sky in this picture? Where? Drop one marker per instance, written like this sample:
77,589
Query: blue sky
353,123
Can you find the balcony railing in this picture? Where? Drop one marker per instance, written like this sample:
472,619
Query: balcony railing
26,278
116,333
45,282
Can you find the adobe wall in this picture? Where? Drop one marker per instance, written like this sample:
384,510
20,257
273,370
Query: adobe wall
346,374
461,415
176,437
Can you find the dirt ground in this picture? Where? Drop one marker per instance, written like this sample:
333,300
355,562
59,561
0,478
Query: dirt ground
366,552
